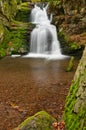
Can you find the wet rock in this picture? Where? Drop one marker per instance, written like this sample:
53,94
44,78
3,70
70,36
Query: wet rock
22,50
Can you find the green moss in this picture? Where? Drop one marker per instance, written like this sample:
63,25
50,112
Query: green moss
14,40
13,35
70,65
74,121
23,6
40,121
19,1
1,32
72,45
2,52
65,41
72,92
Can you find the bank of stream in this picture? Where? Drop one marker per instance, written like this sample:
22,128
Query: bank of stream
29,85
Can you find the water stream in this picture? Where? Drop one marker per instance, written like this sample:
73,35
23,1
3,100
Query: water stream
44,41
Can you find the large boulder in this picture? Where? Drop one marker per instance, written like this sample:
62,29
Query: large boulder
75,109
40,121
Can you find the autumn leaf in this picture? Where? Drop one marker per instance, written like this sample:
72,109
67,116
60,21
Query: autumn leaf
16,107
59,125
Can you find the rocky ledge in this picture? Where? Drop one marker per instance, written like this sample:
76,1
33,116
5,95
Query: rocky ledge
70,19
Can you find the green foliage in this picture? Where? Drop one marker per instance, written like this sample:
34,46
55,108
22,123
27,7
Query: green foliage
53,2
73,46
14,40
9,8
36,0
19,1
23,12
2,52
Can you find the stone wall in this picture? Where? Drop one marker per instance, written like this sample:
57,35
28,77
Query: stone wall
75,108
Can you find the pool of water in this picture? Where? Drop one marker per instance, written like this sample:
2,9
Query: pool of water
33,84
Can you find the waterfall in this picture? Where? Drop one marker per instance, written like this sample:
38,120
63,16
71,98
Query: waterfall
44,41
39,16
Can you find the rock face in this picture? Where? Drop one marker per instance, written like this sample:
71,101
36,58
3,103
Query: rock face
8,10
72,7
40,121
12,31
75,109
70,18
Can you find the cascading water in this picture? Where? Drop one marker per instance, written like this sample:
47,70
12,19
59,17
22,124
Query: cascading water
39,15
44,41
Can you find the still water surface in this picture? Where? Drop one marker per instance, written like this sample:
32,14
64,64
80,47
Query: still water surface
33,85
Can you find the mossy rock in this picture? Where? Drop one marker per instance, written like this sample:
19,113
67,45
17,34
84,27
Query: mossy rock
40,121
15,40
13,33
75,108
70,65
68,46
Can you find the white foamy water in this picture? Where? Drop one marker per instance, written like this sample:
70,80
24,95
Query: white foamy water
44,41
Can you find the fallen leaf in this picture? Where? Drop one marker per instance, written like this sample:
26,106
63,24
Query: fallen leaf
59,125
16,107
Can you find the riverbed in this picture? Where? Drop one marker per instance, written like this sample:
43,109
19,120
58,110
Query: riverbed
28,85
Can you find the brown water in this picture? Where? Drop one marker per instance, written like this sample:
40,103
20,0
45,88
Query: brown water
30,85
